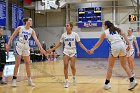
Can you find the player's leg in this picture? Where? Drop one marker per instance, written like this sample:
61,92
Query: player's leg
26,57
73,68
111,62
66,63
2,64
18,60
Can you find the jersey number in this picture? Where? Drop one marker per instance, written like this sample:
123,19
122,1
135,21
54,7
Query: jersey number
69,44
2,45
25,37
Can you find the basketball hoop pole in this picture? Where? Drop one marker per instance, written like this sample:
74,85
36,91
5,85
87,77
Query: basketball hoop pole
138,24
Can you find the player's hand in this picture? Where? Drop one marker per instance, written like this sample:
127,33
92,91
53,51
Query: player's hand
50,50
138,54
128,48
7,48
91,51
42,51
88,51
46,52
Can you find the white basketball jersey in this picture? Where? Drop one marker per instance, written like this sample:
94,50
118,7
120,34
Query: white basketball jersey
24,34
131,40
70,40
112,38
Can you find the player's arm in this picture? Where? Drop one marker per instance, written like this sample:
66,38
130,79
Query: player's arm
80,43
36,40
82,46
98,43
57,46
125,37
13,35
137,47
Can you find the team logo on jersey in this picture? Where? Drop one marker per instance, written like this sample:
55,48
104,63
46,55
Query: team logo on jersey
27,33
69,39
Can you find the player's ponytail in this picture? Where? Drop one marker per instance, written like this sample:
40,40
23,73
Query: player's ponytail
112,28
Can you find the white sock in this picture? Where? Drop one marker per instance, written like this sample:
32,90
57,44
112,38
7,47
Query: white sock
74,77
66,80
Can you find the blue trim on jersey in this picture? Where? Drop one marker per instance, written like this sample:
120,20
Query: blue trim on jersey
15,51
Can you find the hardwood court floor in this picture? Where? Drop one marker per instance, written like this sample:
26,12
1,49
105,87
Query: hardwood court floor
49,78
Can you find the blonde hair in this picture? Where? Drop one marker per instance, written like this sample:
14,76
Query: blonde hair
71,24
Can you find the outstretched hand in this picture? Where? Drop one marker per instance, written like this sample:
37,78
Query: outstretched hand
88,51
49,51
91,51
42,51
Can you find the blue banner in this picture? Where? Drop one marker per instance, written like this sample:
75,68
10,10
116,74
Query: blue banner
17,16
20,16
14,16
2,14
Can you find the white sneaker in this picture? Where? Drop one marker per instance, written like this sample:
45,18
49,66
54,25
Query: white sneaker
133,85
74,81
3,82
66,85
30,83
107,86
14,83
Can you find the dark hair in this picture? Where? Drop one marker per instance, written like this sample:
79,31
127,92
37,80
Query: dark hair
112,28
1,27
25,20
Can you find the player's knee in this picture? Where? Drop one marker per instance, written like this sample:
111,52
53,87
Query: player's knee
72,67
27,63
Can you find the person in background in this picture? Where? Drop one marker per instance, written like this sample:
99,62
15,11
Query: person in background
44,47
3,43
131,53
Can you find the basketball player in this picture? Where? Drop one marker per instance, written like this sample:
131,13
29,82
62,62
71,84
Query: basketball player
22,48
69,38
3,43
118,48
130,53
